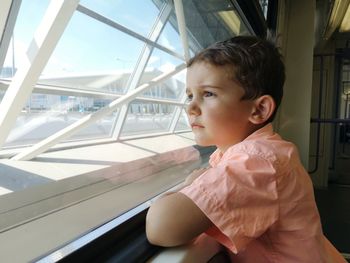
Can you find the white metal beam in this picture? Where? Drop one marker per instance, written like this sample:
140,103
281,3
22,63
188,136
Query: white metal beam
179,10
175,119
54,90
180,17
177,114
45,39
91,118
8,15
4,13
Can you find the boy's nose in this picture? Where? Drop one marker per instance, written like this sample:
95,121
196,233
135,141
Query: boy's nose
193,108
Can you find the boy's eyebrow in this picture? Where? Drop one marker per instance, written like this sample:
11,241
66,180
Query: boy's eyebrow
210,86
205,86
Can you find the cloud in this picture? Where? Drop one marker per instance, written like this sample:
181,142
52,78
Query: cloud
153,59
166,67
163,40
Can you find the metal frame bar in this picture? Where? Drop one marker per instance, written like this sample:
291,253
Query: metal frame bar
45,144
115,25
177,114
242,15
45,39
82,241
4,14
175,119
8,15
149,135
145,54
182,29
53,90
179,11
160,101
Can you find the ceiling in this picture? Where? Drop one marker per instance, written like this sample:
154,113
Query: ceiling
332,20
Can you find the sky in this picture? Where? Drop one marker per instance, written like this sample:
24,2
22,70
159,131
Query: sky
88,45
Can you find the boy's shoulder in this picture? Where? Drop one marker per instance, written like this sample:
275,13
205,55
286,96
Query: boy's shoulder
257,148
273,149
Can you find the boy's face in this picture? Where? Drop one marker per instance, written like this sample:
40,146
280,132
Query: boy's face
216,112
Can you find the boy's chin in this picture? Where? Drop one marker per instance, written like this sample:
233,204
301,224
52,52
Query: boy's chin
203,143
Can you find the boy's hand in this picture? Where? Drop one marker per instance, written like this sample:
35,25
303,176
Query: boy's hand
195,173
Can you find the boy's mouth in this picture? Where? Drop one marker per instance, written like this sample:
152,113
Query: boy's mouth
196,126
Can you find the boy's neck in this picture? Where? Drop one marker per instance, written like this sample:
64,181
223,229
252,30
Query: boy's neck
254,128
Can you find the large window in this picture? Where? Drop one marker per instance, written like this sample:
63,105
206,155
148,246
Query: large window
92,102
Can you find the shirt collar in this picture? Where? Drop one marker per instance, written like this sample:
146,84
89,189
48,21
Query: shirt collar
265,131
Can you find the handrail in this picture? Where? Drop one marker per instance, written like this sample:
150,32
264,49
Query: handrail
329,120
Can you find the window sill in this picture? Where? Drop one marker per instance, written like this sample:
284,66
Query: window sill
34,227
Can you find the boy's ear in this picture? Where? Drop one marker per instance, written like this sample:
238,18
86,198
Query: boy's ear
263,108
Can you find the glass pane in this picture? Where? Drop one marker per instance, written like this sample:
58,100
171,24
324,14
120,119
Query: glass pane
182,123
171,89
211,21
162,62
30,10
46,114
138,16
113,82
145,118
170,38
83,55
98,130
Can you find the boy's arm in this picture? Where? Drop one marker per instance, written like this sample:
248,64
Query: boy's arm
175,219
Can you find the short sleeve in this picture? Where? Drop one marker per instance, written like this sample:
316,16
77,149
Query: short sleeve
239,196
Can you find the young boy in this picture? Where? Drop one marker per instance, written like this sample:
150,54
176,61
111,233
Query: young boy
256,198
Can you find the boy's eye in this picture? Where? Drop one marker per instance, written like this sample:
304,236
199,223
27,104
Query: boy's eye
189,97
208,94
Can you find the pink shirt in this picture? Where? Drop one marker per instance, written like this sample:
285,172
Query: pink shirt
261,202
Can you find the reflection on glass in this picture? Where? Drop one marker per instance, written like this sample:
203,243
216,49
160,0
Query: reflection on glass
233,22
145,118
205,23
98,130
264,6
